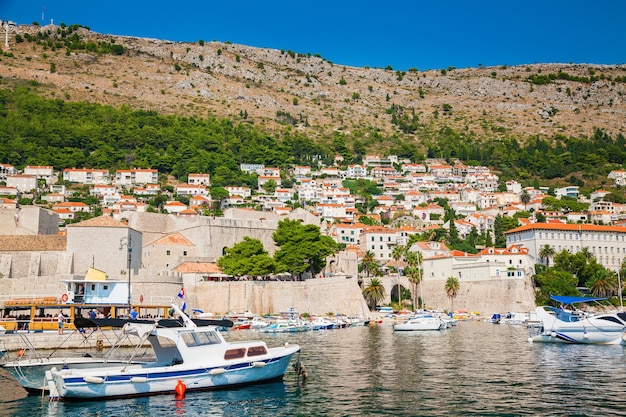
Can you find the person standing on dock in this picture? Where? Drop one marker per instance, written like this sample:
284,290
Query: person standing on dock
61,320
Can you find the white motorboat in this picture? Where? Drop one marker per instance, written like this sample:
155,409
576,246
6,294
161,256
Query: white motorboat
421,322
570,325
189,355
287,326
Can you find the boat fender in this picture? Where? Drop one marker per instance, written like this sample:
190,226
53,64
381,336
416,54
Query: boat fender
258,364
180,390
217,371
553,334
585,335
139,379
93,379
20,352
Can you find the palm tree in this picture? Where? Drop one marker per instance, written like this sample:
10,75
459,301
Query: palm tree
374,293
368,263
603,283
452,289
525,198
546,252
414,273
397,253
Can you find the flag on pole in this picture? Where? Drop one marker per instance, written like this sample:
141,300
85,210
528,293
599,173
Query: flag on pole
181,295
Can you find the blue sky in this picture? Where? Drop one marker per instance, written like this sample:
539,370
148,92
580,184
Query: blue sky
402,34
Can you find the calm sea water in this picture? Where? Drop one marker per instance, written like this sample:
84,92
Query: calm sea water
475,369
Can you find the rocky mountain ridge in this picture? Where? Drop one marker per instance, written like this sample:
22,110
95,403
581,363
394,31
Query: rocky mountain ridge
272,88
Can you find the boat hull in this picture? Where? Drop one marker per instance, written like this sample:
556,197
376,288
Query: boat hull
136,380
31,373
602,329
421,325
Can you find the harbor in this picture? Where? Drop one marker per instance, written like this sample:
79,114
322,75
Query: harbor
376,371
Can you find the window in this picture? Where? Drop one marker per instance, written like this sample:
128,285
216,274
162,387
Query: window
167,252
256,350
201,338
184,253
234,353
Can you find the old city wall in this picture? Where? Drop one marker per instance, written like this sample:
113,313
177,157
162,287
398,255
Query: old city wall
485,297
209,235
319,296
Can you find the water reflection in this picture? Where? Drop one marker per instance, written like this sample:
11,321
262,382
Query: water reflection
476,369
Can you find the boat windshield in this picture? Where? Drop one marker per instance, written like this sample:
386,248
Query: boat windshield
201,338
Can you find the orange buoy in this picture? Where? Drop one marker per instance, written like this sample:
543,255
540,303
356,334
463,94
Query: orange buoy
20,352
180,390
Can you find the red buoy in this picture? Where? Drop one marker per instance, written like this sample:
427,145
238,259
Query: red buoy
180,390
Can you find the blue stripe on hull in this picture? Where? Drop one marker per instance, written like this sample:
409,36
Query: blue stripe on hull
164,382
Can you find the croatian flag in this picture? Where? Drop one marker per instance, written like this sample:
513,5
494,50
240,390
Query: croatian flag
181,295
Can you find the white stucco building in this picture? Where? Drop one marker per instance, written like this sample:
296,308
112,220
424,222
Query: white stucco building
606,243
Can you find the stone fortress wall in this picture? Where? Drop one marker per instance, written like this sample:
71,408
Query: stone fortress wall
33,265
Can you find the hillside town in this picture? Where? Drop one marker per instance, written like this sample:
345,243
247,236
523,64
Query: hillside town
95,200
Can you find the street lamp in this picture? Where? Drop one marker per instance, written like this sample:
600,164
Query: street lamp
127,241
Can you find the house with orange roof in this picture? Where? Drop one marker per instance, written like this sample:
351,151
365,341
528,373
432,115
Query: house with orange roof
23,183
148,189
430,249
347,233
64,214
6,169
379,240
198,201
330,212
356,171
168,251
40,172
53,197
491,263
432,213
384,200
282,211
301,171
199,179
174,207
606,243
244,192
74,207
100,190
136,176
188,213
602,217
191,189
263,179
576,217
87,175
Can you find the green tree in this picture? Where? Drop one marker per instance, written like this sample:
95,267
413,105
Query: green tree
374,293
218,195
247,257
368,264
554,281
270,186
414,274
603,283
546,252
302,247
452,289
